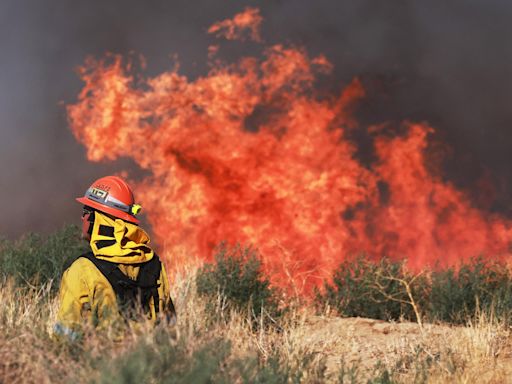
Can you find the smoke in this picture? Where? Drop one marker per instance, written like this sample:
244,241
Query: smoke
448,63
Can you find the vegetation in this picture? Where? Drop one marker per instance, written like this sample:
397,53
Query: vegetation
480,286
37,260
216,339
377,290
387,290
235,282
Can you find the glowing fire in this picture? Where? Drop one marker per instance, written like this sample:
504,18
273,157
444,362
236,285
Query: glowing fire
234,29
251,154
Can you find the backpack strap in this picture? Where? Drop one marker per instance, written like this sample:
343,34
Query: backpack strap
147,279
124,287
128,291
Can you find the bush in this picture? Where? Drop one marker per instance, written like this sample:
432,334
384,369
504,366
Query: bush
36,260
365,288
378,289
236,279
168,362
478,286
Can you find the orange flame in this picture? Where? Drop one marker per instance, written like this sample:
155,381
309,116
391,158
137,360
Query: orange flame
233,29
251,154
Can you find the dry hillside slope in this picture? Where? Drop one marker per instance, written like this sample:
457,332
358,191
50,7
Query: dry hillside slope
480,352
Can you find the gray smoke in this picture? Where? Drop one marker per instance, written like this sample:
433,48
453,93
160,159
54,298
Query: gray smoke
448,63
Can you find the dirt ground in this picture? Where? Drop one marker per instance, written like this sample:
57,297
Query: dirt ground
483,352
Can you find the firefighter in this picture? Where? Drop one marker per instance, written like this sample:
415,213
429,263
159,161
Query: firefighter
121,279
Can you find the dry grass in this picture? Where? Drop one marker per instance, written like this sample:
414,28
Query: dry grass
322,348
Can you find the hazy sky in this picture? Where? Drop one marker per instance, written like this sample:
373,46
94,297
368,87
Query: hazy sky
446,62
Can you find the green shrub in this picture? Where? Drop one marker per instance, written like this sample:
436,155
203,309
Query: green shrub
36,259
237,281
273,370
373,289
478,286
377,289
166,361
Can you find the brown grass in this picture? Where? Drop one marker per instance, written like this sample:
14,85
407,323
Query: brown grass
318,345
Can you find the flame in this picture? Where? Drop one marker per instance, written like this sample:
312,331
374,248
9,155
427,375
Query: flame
250,153
233,29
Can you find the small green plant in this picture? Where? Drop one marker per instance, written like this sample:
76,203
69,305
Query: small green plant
347,374
382,375
34,259
375,289
236,280
165,361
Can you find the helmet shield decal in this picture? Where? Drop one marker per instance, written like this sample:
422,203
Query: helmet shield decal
104,198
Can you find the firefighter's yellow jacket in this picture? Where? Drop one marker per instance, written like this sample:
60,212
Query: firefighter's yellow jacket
86,297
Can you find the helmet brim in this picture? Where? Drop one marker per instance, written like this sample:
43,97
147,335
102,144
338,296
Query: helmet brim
111,211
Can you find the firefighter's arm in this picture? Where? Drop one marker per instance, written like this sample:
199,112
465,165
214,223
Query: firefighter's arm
73,302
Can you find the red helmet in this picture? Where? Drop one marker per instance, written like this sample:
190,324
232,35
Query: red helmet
112,195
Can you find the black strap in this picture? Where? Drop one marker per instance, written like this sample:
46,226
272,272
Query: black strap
147,279
130,292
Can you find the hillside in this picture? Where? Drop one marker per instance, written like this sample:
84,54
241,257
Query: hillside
475,353
217,339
